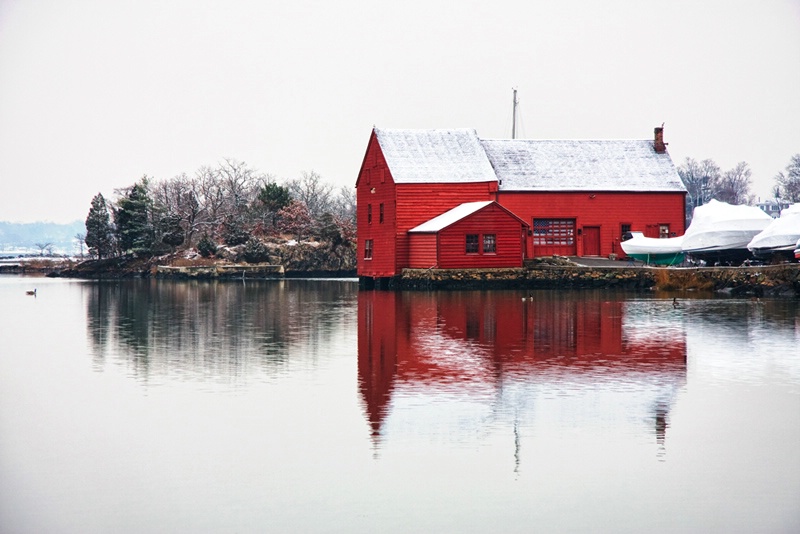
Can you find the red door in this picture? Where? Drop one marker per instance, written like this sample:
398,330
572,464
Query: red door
591,240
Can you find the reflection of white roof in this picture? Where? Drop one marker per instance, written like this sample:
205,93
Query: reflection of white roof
605,165
435,156
782,233
449,217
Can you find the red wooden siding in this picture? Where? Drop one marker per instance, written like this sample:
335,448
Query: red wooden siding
494,220
423,251
373,188
606,210
417,203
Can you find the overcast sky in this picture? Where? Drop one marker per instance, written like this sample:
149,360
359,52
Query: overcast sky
96,93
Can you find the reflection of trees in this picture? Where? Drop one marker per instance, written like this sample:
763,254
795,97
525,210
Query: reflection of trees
214,329
98,309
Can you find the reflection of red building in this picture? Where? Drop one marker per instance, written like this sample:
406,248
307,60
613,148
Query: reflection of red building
472,341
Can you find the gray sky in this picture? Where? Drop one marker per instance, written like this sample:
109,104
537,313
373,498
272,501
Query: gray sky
96,93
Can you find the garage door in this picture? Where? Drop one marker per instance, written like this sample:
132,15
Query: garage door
554,236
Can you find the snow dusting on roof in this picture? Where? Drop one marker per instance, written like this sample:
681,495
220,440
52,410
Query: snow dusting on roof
452,216
435,156
570,165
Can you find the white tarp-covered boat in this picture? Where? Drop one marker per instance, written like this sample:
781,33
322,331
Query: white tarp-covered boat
720,232
667,251
782,234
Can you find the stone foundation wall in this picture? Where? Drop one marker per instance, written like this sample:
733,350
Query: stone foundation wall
779,280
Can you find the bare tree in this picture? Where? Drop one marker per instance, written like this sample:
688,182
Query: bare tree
210,196
343,204
45,247
81,239
734,186
313,192
239,184
176,201
789,182
700,180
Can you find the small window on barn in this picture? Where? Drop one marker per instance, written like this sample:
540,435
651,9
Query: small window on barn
472,244
369,213
489,244
624,229
380,216
367,175
368,249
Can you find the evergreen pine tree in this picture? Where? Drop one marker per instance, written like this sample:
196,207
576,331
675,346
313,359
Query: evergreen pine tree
273,198
99,235
134,228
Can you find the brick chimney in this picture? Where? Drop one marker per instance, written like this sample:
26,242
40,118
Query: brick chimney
659,145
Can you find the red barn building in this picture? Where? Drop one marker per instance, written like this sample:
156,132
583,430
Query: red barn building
575,197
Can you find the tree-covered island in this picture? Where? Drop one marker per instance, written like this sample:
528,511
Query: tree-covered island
223,215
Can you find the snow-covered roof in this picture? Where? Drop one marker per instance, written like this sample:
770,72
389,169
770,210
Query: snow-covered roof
452,216
435,156
569,165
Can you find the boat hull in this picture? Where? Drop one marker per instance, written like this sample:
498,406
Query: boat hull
654,251
670,258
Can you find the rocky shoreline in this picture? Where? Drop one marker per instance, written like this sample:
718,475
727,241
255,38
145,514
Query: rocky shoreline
120,268
762,281
547,273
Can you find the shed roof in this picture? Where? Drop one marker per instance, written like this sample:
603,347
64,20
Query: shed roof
569,165
435,156
451,216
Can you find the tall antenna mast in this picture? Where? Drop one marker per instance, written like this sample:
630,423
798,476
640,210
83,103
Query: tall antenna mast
514,115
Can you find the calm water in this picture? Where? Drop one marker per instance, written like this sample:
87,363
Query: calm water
308,406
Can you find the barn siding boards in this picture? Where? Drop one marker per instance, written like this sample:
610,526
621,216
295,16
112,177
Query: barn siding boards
605,210
423,251
373,188
417,203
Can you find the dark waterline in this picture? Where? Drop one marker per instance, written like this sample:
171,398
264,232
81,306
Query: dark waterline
308,406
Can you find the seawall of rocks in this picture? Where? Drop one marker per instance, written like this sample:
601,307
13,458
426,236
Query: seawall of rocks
773,280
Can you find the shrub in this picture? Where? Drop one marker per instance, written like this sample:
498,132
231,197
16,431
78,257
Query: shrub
254,251
206,246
